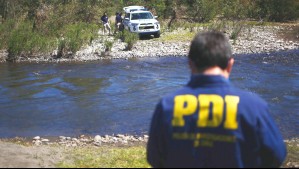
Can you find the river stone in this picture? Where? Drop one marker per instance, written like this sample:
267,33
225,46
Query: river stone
62,138
38,143
36,138
98,144
125,142
120,135
97,138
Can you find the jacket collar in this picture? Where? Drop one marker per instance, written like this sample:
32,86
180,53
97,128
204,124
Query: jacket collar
201,80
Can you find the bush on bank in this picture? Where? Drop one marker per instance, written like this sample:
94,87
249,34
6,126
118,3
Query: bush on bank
23,40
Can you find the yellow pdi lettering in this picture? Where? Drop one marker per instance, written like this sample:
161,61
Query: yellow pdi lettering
205,103
231,121
211,110
184,105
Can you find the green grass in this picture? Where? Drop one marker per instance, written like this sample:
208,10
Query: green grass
130,157
107,157
185,36
293,153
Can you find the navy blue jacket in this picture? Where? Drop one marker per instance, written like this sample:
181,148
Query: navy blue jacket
118,19
210,123
104,19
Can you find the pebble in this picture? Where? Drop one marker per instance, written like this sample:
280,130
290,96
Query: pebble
97,144
38,143
37,138
62,138
97,138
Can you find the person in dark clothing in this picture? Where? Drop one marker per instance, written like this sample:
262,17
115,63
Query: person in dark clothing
209,123
118,22
106,24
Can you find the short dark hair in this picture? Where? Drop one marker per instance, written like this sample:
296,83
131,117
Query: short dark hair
210,49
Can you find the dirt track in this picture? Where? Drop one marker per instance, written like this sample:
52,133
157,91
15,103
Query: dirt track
17,156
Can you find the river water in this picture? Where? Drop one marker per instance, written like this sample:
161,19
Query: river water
119,96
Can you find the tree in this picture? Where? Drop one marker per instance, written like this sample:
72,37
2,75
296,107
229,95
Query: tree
202,10
277,10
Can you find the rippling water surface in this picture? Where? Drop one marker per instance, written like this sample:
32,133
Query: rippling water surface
119,96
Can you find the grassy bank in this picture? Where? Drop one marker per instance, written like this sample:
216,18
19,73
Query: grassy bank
106,157
90,156
135,157
20,39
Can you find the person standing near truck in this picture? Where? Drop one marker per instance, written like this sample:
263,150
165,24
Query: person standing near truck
106,24
118,22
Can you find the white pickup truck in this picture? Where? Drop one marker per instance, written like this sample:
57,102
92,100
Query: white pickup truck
139,20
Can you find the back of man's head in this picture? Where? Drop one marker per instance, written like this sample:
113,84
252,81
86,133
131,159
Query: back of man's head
210,49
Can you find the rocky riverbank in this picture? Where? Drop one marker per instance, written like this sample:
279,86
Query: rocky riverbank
87,140
258,39
292,160
253,39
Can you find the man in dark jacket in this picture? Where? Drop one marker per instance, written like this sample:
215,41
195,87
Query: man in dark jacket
106,24
118,22
209,122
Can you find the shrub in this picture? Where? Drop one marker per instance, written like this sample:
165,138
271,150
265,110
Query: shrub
23,41
108,45
203,10
237,28
218,26
129,38
75,36
5,32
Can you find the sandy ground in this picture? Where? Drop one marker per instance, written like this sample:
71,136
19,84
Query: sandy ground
18,156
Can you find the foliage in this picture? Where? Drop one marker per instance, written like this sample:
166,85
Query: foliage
293,153
23,41
108,157
175,37
276,10
129,38
234,10
218,26
35,26
89,11
202,10
131,157
237,28
108,45
5,32
77,35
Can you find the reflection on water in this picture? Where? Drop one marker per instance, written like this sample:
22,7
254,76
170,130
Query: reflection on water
119,96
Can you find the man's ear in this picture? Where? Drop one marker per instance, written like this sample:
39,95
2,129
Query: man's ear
230,65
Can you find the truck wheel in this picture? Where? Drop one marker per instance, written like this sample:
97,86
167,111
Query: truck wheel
157,35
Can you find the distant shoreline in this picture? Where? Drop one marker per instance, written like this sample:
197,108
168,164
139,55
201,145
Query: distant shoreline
255,39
